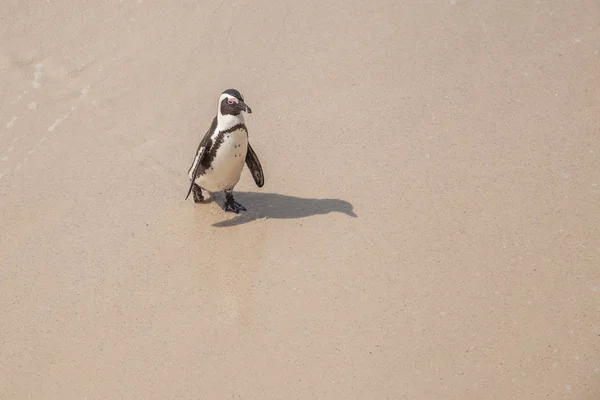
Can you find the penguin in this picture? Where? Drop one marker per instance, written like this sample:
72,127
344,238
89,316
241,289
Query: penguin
222,153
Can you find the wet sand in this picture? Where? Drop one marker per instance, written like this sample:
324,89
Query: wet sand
429,226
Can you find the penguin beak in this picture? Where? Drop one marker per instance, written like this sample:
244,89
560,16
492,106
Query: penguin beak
244,107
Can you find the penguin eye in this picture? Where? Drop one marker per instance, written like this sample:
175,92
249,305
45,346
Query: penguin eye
230,101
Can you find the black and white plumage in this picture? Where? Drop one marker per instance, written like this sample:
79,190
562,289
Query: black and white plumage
222,153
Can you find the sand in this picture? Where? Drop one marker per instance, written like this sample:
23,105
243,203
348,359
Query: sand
429,226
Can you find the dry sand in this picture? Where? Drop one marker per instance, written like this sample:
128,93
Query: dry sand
463,135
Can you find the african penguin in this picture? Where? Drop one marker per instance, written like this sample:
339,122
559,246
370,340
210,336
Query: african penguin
222,153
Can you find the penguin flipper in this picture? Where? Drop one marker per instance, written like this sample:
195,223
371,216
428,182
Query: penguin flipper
255,167
195,172
203,149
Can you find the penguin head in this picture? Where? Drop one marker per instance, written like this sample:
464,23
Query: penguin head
231,102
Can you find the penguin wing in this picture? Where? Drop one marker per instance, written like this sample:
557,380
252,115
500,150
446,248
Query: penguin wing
203,149
255,167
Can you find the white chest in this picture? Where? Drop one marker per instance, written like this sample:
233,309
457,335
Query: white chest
228,162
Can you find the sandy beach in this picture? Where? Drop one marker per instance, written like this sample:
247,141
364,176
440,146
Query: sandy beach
429,227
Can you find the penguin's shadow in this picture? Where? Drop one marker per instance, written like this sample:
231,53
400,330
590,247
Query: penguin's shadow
279,206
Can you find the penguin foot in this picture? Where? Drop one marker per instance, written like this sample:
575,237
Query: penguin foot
231,205
197,191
